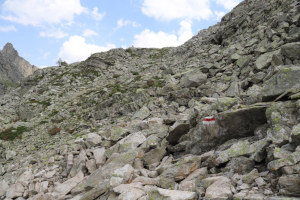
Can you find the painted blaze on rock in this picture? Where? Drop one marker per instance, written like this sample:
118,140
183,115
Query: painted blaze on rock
210,127
225,126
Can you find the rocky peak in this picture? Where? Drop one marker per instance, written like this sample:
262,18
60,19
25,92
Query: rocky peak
13,68
9,51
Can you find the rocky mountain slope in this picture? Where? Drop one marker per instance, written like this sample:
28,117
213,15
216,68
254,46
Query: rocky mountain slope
13,68
215,118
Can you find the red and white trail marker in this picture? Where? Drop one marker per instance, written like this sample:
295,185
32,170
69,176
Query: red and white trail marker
210,120
210,126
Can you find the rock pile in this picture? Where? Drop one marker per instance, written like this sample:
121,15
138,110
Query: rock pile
128,124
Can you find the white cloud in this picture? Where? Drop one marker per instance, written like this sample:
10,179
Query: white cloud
219,15
121,23
7,28
58,34
39,12
43,66
89,33
149,38
161,39
228,4
76,49
176,9
96,15
185,32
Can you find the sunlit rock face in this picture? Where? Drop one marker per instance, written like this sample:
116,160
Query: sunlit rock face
13,68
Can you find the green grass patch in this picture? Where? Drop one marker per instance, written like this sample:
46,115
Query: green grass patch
45,103
7,83
12,133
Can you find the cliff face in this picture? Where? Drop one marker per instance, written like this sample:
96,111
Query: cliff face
215,118
13,68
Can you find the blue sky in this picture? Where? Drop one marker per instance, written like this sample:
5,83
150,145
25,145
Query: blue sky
42,31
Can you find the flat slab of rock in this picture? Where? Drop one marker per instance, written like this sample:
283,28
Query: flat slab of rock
220,189
159,193
286,79
67,186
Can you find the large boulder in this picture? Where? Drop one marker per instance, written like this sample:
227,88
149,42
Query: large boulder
240,165
220,189
287,78
178,171
264,60
289,185
228,125
291,50
288,160
193,79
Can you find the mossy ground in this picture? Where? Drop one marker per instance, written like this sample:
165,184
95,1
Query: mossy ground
12,133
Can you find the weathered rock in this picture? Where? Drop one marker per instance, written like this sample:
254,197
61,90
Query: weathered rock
236,150
285,79
79,163
250,177
264,60
240,165
291,50
9,154
124,175
93,139
190,182
154,156
129,191
220,189
15,191
243,61
65,187
142,114
228,125
181,169
128,143
194,79
146,180
290,159
91,165
177,130
210,180
295,134
294,169
116,161
260,181
117,132
3,187
289,185
158,193
99,155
